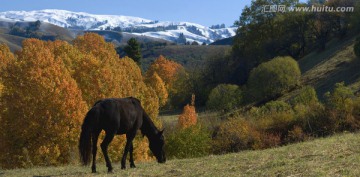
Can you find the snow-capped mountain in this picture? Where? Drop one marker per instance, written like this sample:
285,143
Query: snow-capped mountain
84,21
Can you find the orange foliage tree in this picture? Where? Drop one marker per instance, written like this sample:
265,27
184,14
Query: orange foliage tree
166,69
43,110
188,117
50,86
173,75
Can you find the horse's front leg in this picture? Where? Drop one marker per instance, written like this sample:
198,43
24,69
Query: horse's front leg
129,138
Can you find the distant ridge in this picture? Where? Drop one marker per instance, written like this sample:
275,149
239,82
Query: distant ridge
166,30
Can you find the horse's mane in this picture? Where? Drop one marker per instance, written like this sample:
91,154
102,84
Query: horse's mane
148,128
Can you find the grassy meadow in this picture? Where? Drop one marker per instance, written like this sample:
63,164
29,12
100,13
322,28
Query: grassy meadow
338,155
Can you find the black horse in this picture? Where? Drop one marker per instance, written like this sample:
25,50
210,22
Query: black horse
118,116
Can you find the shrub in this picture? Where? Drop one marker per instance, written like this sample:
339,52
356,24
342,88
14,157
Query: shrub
188,117
190,142
234,135
275,118
312,118
340,106
306,96
273,78
224,97
296,135
357,47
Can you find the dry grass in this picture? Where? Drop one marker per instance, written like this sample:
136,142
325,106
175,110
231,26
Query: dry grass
335,156
323,70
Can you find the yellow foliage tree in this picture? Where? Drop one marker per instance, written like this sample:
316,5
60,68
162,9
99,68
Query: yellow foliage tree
100,73
188,117
44,109
6,57
156,83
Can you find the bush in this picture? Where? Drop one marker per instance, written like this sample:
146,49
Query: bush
188,117
234,135
357,47
306,96
224,97
312,118
340,105
190,142
273,78
275,118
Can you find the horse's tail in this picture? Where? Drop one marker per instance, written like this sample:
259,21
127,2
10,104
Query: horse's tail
85,136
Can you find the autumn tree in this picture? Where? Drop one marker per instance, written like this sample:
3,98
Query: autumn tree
101,74
6,58
53,84
166,69
171,73
157,84
44,109
188,117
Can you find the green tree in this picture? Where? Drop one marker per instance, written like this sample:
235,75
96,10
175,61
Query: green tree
273,78
133,50
224,97
263,36
181,39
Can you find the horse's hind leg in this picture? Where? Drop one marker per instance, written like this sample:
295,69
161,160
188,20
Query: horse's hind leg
132,164
129,138
95,137
104,146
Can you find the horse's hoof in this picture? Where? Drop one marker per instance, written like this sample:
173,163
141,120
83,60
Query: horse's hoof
123,167
110,170
93,171
132,166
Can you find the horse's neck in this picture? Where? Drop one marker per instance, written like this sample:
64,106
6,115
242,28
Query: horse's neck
148,128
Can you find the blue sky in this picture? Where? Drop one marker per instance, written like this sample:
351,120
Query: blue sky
205,12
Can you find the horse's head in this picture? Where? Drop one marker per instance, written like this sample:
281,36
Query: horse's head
157,147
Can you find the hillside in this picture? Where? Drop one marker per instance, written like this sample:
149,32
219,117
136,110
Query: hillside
46,31
324,69
333,156
121,38
14,42
187,55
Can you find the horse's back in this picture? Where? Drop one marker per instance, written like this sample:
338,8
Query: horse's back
120,114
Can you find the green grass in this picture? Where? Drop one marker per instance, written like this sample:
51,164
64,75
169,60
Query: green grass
334,156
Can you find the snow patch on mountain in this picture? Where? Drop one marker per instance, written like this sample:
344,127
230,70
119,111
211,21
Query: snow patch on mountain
159,29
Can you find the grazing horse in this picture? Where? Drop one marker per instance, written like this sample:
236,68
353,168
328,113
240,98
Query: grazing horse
118,116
